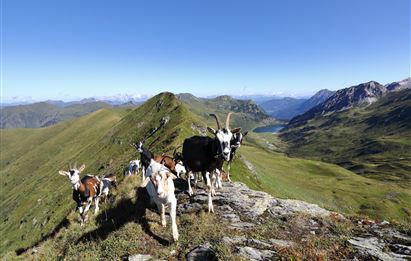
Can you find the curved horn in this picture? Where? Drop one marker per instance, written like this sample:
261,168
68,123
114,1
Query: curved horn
175,150
75,165
227,121
216,119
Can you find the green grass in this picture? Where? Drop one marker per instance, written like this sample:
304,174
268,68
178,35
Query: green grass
327,185
35,199
372,141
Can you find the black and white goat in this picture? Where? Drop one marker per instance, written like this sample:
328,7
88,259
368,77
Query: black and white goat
235,144
206,155
145,157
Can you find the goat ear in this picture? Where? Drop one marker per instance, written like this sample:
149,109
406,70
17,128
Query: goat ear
145,182
211,130
82,168
245,133
63,173
235,130
171,175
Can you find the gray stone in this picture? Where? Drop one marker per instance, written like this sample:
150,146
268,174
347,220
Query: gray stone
139,258
241,225
282,243
255,254
374,247
234,240
202,253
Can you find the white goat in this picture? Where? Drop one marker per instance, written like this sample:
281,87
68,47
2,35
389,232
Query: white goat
133,167
180,169
160,186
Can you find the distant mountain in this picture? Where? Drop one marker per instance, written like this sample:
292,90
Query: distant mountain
287,108
284,108
44,114
248,113
355,96
401,85
318,98
364,128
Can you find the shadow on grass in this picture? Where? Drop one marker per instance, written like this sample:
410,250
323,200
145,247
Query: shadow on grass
124,212
63,224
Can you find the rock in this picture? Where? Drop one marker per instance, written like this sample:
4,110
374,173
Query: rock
255,254
375,247
258,243
282,243
384,223
234,240
231,217
139,257
202,253
241,225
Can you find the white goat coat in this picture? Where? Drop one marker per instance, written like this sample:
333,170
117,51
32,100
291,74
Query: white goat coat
169,199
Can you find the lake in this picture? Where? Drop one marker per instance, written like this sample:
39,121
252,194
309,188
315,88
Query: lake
269,128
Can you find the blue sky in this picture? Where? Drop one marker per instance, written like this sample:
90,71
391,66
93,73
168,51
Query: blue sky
71,49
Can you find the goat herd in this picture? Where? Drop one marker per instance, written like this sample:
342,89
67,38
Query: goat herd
199,154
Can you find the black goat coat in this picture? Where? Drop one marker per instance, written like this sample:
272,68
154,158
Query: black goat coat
145,157
202,154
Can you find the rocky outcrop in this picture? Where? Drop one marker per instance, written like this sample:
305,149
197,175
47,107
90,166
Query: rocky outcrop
235,202
244,209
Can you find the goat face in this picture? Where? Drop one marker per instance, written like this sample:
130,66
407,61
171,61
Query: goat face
237,139
73,175
139,146
160,182
224,137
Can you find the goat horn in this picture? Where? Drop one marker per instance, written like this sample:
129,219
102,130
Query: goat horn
227,121
216,119
175,150
75,165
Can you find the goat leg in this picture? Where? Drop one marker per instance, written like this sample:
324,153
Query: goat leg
174,230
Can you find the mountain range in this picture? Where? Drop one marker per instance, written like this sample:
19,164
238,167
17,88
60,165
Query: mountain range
286,108
39,215
365,128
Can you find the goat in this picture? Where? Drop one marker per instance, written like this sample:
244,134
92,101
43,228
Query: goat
160,186
206,155
133,168
235,144
108,182
166,161
145,157
84,191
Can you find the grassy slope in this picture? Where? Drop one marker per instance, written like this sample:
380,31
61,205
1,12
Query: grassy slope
105,149
43,114
30,160
247,114
327,185
374,141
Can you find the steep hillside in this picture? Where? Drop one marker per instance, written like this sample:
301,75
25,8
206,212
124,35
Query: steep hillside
248,114
372,141
287,108
44,114
35,199
31,210
360,95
